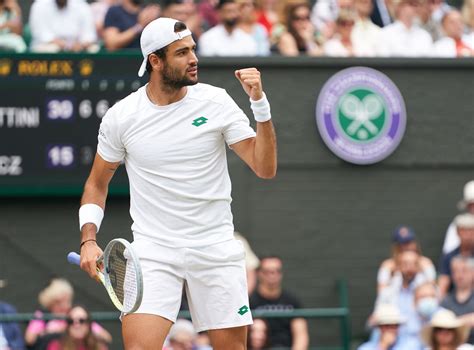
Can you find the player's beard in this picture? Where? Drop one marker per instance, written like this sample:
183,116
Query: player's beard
174,79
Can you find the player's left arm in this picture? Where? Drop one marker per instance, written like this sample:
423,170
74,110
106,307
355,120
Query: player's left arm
260,152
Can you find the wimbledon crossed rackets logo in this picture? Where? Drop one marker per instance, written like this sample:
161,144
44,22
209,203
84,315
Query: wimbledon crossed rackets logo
361,115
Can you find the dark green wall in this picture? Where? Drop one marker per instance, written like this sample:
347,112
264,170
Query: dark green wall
326,218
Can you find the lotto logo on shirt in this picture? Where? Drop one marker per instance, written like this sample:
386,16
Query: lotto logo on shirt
361,115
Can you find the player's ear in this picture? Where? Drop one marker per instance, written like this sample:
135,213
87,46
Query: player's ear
155,61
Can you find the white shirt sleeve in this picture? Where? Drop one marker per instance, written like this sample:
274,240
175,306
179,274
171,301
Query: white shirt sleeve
88,33
384,275
451,241
236,125
110,146
429,273
40,29
205,45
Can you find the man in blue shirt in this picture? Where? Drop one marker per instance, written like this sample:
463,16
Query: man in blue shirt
123,24
10,332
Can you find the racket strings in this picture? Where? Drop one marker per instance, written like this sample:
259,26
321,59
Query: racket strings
122,276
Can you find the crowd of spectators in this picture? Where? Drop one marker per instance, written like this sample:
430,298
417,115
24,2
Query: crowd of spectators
71,328
418,307
343,28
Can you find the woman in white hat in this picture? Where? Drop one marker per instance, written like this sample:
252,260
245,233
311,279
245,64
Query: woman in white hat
446,332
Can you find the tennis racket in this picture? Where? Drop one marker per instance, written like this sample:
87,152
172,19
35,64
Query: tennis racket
121,274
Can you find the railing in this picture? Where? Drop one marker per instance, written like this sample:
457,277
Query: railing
342,313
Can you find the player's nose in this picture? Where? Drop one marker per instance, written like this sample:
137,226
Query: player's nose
193,58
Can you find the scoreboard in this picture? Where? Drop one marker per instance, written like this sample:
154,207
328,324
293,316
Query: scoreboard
50,111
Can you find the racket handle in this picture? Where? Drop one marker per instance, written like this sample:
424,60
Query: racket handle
73,258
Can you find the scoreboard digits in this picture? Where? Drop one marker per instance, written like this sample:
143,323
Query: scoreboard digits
50,112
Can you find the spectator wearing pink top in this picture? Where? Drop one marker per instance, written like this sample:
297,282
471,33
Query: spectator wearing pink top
56,298
78,334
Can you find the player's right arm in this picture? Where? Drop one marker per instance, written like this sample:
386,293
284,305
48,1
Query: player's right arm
95,192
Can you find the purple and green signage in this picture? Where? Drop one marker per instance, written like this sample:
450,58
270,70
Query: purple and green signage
361,115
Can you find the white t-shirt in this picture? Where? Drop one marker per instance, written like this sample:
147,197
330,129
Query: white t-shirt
72,23
365,38
446,47
396,40
218,42
451,240
175,156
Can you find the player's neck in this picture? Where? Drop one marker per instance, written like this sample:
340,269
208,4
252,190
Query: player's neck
162,95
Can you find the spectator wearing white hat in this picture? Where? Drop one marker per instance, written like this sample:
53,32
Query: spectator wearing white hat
446,332
387,320
465,228
451,241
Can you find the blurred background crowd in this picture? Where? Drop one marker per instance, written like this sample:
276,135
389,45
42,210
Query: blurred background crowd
361,28
419,305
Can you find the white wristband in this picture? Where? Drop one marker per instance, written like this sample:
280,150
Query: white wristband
90,214
261,109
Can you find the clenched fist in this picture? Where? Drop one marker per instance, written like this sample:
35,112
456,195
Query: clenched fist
251,82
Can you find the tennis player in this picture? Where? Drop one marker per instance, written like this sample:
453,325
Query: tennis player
172,133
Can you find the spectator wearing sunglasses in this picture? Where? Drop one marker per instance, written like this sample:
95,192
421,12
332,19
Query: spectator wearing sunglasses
78,334
299,36
56,298
341,45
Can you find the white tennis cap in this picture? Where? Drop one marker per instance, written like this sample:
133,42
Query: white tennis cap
156,35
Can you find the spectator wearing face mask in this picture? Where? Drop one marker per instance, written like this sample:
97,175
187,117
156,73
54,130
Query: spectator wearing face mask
461,299
226,38
62,25
124,23
426,301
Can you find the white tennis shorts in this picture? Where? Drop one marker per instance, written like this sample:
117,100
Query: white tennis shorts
214,277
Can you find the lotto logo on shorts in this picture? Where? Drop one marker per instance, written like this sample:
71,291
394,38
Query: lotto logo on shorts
243,310
199,121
